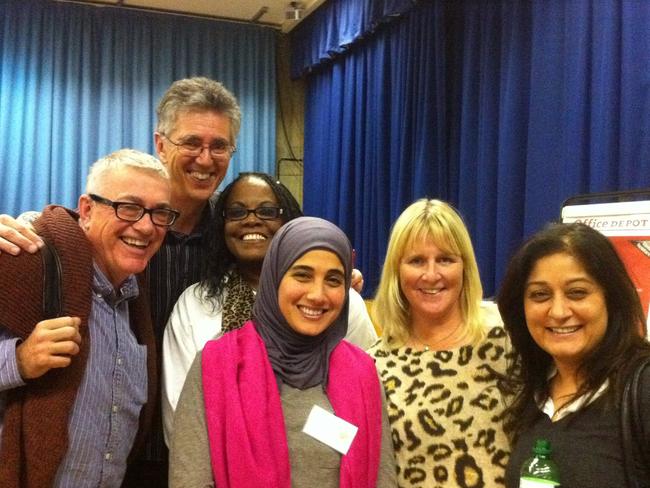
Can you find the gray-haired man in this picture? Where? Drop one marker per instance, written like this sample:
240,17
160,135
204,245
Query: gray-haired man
78,387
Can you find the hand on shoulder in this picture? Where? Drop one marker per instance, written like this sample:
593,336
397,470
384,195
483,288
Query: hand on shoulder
17,236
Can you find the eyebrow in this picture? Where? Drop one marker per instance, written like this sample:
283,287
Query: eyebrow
190,137
304,267
336,271
260,204
570,282
137,200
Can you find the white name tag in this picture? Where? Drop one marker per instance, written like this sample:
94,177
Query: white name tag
330,429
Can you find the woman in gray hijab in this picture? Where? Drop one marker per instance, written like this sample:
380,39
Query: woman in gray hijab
285,401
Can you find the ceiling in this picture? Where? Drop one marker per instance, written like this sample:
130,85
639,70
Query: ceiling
268,12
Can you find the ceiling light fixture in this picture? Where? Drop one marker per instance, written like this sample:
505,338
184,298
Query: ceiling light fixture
294,11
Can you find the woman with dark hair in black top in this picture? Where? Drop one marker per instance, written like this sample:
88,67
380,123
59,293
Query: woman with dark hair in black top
575,320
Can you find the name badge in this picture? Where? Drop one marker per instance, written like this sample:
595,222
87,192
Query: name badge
330,429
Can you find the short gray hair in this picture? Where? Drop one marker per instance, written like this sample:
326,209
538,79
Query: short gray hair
197,94
123,158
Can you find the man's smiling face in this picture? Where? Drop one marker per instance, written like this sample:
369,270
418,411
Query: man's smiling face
195,178
122,248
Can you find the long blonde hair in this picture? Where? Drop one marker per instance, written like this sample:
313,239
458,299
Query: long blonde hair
441,223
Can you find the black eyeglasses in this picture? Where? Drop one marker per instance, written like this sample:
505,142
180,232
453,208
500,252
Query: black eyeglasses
132,212
264,213
194,148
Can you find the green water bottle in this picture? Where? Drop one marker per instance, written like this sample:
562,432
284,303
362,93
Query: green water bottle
539,471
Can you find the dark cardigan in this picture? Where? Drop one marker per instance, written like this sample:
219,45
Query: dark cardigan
35,431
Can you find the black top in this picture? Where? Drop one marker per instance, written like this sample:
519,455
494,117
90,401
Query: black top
586,444
178,264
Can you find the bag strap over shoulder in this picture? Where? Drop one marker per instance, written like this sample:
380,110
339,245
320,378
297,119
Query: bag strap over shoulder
632,433
52,300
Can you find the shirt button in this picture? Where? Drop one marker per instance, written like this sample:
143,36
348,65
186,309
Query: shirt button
119,361
108,456
115,408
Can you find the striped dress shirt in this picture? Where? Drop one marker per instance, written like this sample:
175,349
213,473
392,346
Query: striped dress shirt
179,263
105,416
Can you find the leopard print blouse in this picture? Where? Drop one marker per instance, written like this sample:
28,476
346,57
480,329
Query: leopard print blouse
445,411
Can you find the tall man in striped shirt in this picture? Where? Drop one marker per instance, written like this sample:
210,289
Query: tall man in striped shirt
77,389
198,124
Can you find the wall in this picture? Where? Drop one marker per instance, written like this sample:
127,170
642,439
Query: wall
290,124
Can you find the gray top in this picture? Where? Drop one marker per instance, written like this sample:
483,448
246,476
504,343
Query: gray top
312,463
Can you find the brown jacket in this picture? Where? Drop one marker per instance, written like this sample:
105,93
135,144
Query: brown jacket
35,431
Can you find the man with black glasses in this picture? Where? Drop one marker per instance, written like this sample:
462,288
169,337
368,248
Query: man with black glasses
78,369
198,123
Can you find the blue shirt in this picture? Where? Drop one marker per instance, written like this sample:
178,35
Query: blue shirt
105,416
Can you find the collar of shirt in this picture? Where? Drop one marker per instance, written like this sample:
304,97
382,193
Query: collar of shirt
547,406
200,229
102,287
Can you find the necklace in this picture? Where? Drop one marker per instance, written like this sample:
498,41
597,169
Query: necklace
427,346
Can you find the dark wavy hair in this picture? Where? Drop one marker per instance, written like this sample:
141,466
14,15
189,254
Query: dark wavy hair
612,359
221,264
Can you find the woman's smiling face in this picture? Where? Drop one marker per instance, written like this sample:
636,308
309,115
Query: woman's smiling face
565,308
249,239
312,292
431,281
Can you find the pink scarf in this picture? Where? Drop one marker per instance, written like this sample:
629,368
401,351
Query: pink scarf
248,444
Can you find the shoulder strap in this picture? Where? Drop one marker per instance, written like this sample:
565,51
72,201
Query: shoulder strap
51,281
637,418
632,433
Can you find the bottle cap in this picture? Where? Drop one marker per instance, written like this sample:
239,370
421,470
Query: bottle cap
542,446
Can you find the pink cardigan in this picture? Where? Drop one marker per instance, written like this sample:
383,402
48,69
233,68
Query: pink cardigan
248,444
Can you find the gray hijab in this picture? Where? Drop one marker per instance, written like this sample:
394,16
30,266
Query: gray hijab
298,360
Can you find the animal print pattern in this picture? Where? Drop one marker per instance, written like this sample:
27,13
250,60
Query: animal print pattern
238,306
445,411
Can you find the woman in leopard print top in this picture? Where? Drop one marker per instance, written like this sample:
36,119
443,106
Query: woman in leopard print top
441,357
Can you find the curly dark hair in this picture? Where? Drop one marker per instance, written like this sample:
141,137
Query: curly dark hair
221,264
612,359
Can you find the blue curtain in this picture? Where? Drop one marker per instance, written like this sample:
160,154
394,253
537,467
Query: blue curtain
337,25
503,108
78,82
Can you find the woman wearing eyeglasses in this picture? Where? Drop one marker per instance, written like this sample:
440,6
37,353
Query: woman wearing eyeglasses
249,212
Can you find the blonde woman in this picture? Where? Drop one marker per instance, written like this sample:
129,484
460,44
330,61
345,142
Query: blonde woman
440,356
